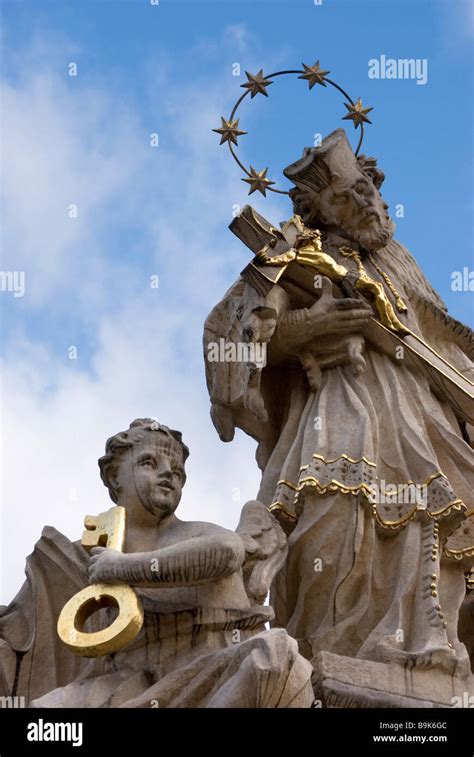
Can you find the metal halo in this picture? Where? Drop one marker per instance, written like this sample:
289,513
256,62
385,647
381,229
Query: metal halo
257,84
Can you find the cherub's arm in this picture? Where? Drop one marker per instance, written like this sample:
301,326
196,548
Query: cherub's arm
197,560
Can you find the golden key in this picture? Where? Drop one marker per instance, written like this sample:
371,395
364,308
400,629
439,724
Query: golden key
104,530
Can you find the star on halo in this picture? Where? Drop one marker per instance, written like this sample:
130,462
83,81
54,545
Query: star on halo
229,131
314,74
257,83
357,113
258,181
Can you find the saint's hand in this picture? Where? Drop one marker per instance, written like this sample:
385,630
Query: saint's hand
334,316
327,317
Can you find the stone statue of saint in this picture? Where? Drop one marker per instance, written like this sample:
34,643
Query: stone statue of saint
203,642
368,467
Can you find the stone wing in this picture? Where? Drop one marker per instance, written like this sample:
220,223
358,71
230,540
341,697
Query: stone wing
265,549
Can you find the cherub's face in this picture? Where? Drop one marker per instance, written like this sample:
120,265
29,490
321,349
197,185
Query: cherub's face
152,471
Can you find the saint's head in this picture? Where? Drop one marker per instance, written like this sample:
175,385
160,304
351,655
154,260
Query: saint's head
336,190
144,466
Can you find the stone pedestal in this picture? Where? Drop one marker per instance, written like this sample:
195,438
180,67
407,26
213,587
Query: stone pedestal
348,682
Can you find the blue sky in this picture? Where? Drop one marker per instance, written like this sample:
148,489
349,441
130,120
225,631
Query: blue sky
164,211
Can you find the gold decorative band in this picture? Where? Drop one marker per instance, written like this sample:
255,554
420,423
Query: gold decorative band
345,457
455,505
280,509
331,486
459,554
339,484
364,488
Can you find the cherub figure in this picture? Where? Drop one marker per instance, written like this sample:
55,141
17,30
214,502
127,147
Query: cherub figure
202,587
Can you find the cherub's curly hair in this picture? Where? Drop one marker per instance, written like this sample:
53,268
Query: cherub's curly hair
126,439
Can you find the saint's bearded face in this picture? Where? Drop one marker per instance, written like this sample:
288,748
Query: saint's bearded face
353,203
340,191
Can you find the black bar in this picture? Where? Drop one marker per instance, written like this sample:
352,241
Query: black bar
315,731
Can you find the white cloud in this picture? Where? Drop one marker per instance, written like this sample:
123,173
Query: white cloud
89,147
60,148
456,24
51,441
